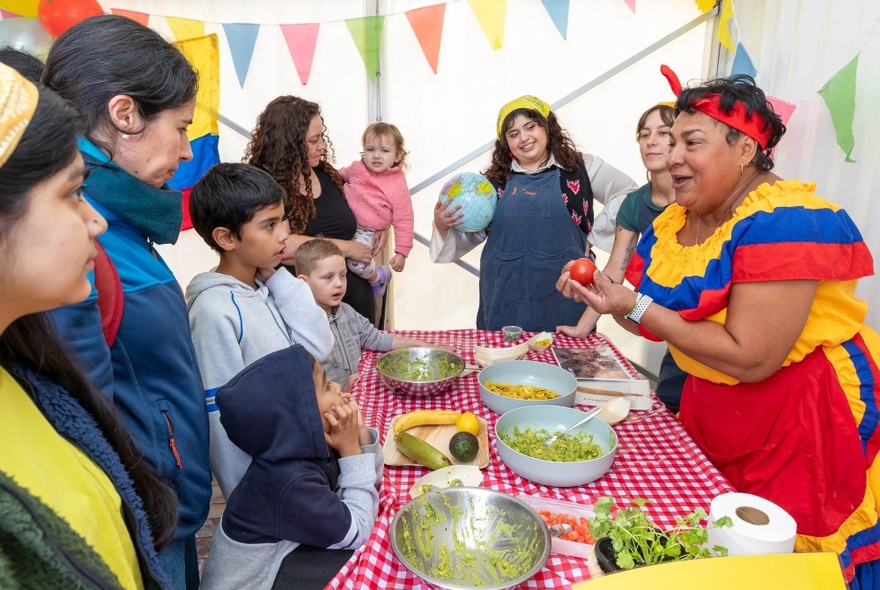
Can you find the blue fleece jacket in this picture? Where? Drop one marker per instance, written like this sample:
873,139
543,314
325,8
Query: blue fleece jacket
150,372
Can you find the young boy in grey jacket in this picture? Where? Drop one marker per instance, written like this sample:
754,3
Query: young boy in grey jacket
321,265
245,309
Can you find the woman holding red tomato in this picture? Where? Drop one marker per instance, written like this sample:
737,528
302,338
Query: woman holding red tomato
750,279
533,231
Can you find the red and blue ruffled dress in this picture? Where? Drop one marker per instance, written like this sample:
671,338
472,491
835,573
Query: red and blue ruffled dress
807,437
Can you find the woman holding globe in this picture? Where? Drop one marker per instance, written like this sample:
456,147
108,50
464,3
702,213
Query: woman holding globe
533,232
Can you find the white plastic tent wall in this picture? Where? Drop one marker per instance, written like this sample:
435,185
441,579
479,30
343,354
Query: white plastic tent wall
450,114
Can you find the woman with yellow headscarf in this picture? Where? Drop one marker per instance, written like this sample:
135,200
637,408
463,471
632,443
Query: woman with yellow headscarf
544,216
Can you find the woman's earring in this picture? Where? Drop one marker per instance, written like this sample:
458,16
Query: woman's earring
742,168
126,136
510,154
648,176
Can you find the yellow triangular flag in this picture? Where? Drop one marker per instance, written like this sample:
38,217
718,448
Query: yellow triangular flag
724,25
491,15
185,28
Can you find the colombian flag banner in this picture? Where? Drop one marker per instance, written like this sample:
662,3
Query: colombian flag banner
204,54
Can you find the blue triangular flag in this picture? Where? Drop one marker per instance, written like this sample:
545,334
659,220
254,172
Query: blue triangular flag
742,63
241,38
558,11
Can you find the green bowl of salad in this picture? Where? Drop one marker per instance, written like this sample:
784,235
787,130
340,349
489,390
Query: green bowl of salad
419,371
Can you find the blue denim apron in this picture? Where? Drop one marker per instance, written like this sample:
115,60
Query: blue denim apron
531,238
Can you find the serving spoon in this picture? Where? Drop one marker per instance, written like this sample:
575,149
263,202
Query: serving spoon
557,530
590,415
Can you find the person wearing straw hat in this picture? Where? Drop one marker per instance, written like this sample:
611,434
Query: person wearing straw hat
79,508
544,215
750,279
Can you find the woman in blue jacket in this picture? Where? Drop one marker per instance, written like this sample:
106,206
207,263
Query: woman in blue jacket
137,94
79,508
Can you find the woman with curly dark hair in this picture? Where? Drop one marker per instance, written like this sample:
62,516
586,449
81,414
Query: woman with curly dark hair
290,143
534,232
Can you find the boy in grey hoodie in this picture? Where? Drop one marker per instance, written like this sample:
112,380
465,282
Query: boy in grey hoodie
245,309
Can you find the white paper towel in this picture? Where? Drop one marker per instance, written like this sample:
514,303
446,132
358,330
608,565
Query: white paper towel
775,534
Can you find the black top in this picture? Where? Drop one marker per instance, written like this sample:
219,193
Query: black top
335,220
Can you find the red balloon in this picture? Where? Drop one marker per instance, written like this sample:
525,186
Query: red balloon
59,15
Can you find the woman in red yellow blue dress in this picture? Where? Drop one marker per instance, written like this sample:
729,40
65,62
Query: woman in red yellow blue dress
750,279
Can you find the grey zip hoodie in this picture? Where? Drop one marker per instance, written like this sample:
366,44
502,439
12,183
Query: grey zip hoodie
234,325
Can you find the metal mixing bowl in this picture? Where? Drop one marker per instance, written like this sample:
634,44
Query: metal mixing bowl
460,538
419,371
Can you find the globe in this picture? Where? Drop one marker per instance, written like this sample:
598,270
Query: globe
476,196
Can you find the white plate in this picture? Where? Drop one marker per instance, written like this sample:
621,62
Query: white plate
469,475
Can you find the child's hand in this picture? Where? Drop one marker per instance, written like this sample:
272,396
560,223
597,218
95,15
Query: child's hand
263,274
398,261
379,238
363,431
344,423
352,380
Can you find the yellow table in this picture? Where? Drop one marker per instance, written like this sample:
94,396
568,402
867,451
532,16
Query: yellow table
797,571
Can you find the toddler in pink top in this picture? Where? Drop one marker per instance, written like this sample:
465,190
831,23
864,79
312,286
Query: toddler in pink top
376,191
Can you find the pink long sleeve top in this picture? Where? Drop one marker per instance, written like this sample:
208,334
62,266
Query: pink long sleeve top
381,200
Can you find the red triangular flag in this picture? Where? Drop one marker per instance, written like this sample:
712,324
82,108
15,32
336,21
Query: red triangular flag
427,24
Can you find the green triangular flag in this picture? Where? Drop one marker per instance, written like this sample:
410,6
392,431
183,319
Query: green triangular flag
366,33
839,94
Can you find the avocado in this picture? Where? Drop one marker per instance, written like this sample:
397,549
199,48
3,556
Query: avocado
464,446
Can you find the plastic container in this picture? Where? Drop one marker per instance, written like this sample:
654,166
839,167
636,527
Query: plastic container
561,546
511,333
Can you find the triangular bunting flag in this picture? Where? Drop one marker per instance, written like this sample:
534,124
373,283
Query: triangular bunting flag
839,94
6,14
631,4
138,17
558,11
427,24
724,24
301,40
185,28
241,38
782,108
742,63
491,15
366,32
705,5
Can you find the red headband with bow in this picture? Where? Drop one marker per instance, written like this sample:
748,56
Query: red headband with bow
752,125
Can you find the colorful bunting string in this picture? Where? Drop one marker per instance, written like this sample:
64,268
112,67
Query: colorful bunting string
742,63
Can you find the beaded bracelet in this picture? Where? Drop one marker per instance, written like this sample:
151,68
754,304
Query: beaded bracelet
642,303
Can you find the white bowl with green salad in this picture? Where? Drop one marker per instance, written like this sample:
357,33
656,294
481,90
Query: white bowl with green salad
578,458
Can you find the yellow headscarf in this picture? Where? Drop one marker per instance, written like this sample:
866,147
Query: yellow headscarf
18,101
523,102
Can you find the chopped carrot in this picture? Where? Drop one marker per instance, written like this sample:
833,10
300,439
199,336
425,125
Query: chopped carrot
580,532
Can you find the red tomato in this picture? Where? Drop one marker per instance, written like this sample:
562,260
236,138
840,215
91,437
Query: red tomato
582,271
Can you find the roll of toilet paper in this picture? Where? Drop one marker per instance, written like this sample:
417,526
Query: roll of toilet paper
759,526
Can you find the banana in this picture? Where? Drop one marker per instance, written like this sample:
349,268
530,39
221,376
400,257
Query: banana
420,417
420,451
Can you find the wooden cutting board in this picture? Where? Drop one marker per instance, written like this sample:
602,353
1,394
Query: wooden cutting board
437,435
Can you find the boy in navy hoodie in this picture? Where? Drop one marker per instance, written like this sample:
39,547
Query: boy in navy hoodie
313,475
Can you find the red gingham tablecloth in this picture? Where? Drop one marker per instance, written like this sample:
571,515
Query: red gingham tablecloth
656,460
